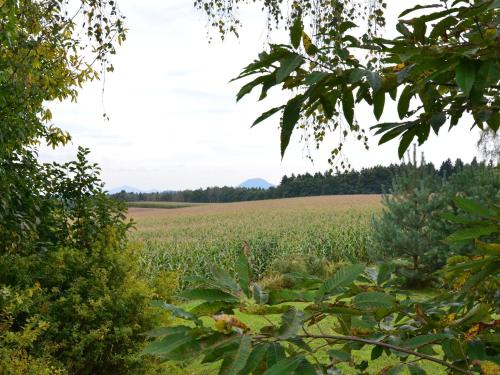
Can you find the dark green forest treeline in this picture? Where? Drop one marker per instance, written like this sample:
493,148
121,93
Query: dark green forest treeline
374,180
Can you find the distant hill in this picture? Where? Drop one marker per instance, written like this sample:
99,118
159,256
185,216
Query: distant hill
258,183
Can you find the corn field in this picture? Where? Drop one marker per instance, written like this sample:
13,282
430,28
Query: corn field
190,240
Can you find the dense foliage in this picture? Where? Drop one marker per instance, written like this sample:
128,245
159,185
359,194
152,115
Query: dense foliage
72,299
413,223
375,180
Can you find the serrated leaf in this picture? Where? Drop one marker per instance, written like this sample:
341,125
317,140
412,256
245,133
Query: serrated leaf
237,362
465,75
373,300
291,321
275,353
287,66
291,115
267,114
378,103
223,280
259,295
284,367
342,278
255,359
206,294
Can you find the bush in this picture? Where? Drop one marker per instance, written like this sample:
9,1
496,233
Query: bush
413,223
73,298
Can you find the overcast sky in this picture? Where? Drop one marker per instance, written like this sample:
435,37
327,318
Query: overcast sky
174,122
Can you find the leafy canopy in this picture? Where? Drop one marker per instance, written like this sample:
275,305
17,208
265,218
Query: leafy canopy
442,65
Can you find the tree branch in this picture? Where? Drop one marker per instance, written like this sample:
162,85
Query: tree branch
389,346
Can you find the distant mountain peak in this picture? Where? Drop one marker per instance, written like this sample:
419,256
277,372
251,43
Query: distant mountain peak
256,183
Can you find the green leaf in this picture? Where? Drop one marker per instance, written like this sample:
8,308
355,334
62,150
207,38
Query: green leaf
168,344
418,7
176,311
376,352
471,233
395,370
374,80
348,105
287,66
465,75
422,340
212,308
284,367
342,278
415,369
238,361
275,353
223,279
406,140
246,89
356,75
378,103
384,273
442,26
374,300
291,115
166,331
339,355
437,120
243,270
315,77
472,206
291,321
255,359
207,294
289,295
296,32
267,114
404,101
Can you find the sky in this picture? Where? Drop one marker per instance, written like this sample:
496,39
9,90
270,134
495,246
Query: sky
173,118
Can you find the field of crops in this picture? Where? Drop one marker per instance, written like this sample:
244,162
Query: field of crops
191,239
148,204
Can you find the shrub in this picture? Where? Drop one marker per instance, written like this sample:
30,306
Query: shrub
72,295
